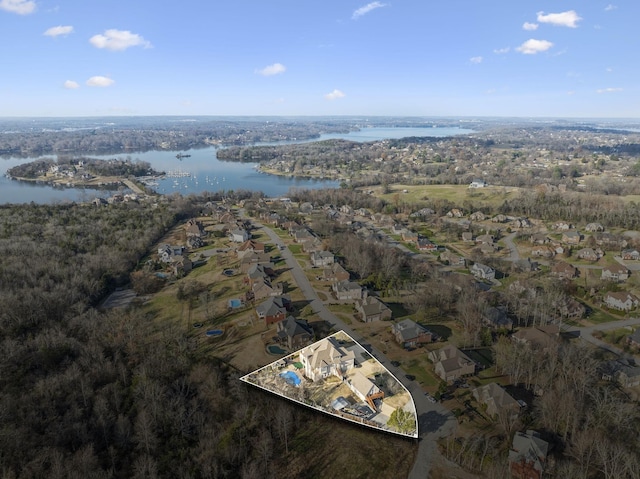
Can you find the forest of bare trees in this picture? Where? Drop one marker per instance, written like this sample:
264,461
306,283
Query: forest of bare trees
86,393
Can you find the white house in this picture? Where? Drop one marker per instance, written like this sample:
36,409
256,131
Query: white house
478,183
326,358
239,235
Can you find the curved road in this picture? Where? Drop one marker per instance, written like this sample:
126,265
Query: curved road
434,420
586,333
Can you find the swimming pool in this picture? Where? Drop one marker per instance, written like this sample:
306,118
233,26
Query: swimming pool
291,378
214,332
275,349
235,303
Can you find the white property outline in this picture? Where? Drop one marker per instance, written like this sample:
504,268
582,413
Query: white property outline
326,411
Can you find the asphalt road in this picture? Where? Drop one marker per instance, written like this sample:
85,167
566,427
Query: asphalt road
586,333
434,420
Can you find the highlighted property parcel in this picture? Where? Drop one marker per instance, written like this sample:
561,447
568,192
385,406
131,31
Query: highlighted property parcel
337,376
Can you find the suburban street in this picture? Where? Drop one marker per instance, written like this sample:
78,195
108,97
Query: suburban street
586,333
434,420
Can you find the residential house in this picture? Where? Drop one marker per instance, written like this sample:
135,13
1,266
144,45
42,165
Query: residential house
621,300
312,245
452,259
249,259
239,235
562,226
194,227
570,308
571,237
322,258
564,270
538,338
295,333
397,229
425,245
372,309
528,455
302,235
451,363
525,265
263,288
166,252
485,239
410,334
594,227
543,251
364,389
539,238
522,223
326,358
409,236
181,265
274,309
346,209
305,208
630,254
623,371
615,272
588,254
478,183
335,273
256,272
249,247
347,290
487,248
477,216
633,339
496,318
496,399
609,241
482,271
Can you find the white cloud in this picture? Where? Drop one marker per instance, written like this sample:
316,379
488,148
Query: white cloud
118,40
71,85
100,81
608,69
334,95
610,7
529,26
270,70
571,92
366,9
501,51
475,60
59,30
564,19
21,7
608,90
532,46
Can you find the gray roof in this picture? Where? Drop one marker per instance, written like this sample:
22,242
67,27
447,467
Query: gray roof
409,329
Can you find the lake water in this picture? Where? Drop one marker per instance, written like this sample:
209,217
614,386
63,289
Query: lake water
202,171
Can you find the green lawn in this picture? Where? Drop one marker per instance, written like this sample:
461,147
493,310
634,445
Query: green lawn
295,248
422,371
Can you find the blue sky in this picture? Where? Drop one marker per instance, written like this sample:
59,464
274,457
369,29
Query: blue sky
320,57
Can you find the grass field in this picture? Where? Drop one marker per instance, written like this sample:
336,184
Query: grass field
492,195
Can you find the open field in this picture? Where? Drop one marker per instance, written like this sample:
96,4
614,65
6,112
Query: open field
491,195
